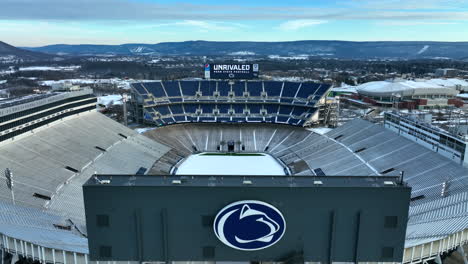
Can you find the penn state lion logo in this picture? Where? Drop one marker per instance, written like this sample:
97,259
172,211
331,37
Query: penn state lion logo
249,225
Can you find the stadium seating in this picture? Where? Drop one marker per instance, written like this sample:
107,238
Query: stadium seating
51,163
200,98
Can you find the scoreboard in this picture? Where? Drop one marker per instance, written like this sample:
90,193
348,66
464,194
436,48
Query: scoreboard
231,71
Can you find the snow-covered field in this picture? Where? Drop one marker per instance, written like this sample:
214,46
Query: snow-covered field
48,68
200,164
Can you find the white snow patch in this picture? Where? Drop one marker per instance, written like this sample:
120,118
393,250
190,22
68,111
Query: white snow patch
143,130
424,49
242,53
47,68
200,164
320,130
3,81
115,99
298,57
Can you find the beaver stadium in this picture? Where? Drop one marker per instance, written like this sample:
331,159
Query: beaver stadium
52,144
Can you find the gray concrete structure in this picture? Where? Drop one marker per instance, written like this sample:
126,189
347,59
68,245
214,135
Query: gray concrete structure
161,218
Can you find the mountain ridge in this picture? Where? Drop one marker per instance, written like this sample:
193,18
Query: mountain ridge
9,50
320,48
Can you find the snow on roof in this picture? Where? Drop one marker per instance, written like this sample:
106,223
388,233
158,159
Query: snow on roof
452,82
115,99
403,88
345,89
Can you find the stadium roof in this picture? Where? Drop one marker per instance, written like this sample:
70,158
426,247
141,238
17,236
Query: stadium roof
24,99
452,82
236,181
403,88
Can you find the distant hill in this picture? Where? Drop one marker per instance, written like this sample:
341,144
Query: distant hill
26,55
333,49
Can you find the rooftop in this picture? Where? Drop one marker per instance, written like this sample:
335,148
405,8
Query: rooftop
24,99
246,181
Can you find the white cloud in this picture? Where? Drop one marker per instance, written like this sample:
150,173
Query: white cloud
414,23
204,25
199,25
299,24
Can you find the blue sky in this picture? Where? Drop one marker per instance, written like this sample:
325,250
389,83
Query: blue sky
43,22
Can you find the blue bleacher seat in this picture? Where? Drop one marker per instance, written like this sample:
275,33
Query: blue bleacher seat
148,115
239,88
172,88
290,89
155,88
285,109
238,108
162,109
273,88
255,108
224,108
179,118
293,121
307,89
139,88
175,100
207,108
271,109
176,109
319,172
323,88
291,111
207,88
189,88
298,111
190,108
254,88
223,88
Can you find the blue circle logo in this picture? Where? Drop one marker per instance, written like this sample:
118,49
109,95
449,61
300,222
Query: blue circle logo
249,225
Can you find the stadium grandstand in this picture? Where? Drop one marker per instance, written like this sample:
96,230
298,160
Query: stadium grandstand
169,102
52,144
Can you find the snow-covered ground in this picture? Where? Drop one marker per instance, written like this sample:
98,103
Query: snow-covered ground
47,68
200,164
298,57
121,83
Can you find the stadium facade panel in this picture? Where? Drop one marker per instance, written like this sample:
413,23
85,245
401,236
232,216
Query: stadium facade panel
252,218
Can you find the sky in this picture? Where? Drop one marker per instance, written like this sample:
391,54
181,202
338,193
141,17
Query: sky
31,23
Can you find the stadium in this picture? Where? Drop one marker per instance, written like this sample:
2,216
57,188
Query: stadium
53,144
